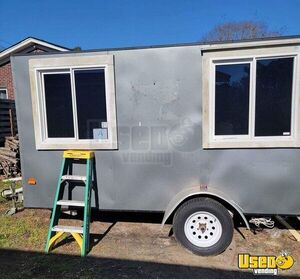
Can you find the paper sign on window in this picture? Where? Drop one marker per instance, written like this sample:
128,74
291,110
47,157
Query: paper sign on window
100,133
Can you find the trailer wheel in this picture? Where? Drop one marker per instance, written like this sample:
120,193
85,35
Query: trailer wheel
203,226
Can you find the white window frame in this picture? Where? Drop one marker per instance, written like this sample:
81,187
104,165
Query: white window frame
6,92
210,140
229,137
68,64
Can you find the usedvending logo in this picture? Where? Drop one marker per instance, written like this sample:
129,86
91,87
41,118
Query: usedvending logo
265,264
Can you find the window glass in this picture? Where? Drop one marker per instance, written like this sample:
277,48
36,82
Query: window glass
3,94
232,99
91,103
59,111
274,79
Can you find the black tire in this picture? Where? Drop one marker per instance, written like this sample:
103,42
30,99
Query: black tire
212,207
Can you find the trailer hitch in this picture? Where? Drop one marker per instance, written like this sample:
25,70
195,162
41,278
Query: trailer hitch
15,195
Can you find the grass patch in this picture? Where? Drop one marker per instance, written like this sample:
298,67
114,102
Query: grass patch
16,232
21,229
22,241
3,185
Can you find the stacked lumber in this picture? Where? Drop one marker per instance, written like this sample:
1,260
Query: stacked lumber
10,158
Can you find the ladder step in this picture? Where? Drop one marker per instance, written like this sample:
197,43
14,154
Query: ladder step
70,229
70,203
73,177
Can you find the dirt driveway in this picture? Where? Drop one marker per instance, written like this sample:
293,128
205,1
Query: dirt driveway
128,246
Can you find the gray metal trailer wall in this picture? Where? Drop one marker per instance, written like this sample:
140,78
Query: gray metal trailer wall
158,102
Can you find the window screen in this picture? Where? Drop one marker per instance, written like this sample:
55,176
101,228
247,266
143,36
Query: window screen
274,81
232,99
58,99
91,103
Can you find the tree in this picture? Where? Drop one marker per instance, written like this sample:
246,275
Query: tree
242,30
77,48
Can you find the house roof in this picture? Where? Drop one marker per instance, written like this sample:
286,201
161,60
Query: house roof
18,47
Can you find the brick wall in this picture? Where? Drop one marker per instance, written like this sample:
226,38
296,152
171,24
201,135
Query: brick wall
6,79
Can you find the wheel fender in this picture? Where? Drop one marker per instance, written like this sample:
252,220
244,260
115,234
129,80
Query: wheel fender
196,191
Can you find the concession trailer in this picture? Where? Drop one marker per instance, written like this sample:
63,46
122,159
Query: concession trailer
201,132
